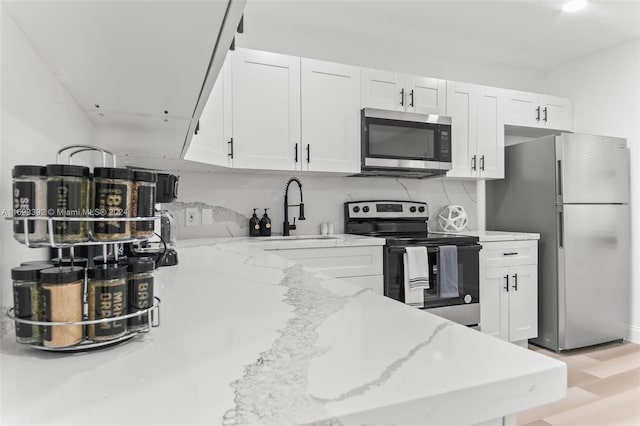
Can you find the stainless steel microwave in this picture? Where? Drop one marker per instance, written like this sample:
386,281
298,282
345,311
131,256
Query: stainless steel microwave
404,144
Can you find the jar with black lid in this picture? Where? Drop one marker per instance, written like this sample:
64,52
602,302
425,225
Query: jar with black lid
27,302
112,189
30,199
143,201
62,299
82,262
67,196
140,287
107,299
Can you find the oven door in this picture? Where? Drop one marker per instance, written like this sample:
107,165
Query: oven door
465,308
400,140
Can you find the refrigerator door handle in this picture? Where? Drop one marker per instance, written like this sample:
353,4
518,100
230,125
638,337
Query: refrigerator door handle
559,179
560,229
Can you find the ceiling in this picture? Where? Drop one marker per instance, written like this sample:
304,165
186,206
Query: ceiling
534,35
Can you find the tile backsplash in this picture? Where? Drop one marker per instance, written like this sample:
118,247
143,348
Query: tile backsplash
229,199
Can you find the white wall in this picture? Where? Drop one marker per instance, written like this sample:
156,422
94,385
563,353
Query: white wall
38,117
232,197
606,90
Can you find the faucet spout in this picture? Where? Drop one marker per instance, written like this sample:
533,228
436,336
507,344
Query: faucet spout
286,226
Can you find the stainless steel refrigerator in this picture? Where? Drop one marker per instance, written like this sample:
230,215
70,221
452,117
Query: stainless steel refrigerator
574,190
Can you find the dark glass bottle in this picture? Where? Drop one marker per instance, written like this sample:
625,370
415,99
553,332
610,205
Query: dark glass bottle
265,225
254,225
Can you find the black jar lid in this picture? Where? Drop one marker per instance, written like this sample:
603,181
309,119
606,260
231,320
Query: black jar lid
145,176
67,170
111,259
67,261
107,272
112,173
138,265
46,263
62,274
29,171
28,272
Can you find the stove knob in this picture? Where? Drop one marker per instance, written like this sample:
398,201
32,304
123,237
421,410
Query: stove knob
356,209
421,209
412,209
365,209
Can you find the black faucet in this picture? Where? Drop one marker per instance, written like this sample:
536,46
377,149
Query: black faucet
286,226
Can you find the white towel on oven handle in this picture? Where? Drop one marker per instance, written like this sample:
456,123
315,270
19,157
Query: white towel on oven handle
416,275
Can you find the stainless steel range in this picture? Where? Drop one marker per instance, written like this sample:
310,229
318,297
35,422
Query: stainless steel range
403,224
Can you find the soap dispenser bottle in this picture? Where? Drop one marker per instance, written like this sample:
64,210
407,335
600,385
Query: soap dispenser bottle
254,225
265,225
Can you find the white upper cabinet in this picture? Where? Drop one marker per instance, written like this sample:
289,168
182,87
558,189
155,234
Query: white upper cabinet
425,95
211,142
535,110
382,89
266,110
490,134
477,131
462,108
330,117
400,92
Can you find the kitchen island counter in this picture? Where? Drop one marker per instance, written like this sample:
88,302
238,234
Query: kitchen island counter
248,337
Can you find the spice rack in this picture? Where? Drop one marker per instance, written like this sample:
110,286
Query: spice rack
151,315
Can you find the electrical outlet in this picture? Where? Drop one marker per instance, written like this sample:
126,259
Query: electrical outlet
191,218
207,217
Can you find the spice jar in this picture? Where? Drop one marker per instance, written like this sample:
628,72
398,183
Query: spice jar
82,262
112,199
62,301
143,201
27,302
30,199
107,299
140,287
67,196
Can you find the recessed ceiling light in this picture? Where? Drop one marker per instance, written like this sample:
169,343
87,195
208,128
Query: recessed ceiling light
574,5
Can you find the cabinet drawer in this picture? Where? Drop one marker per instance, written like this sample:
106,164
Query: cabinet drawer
339,261
509,253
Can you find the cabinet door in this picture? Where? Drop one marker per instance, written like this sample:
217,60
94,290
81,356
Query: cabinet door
490,134
266,110
211,143
556,113
494,302
382,89
330,117
425,95
461,107
521,108
523,302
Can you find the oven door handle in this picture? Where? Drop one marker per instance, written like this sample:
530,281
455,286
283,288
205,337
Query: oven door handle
435,249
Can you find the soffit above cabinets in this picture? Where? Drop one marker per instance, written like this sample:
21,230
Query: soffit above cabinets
137,68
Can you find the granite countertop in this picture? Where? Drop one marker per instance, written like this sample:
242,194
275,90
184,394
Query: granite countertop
247,337
487,236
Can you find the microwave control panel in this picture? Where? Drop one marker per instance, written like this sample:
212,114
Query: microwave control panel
386,209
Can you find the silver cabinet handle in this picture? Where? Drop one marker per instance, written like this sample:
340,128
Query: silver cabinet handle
473,163
506,287
515,280
482,163
511,253
538,114
402,97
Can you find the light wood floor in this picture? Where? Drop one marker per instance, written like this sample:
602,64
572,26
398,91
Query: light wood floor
603,388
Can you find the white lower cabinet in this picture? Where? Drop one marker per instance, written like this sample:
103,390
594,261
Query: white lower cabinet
361,266
509,289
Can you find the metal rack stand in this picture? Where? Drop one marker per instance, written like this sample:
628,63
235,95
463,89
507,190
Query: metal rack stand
153,312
